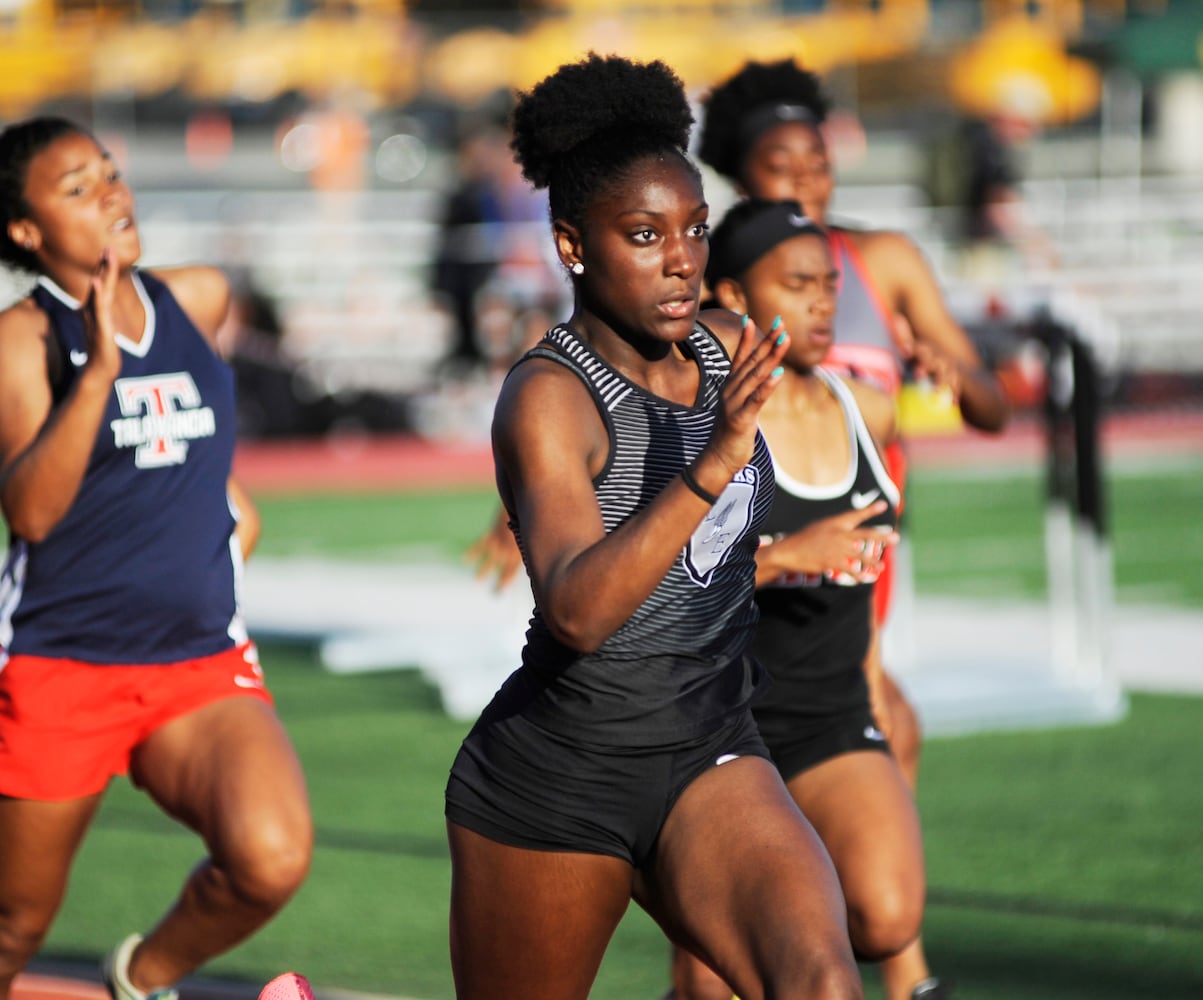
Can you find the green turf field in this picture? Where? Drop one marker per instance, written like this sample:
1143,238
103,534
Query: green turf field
1062,864
973,534
985,535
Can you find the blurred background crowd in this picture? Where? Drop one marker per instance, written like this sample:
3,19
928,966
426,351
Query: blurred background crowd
347,161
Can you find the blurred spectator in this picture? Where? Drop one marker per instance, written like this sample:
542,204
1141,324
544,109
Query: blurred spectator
992,175
274,398
343,142
469,237
975,173
491,269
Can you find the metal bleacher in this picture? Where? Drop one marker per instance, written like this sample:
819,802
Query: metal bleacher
350,270
1129,255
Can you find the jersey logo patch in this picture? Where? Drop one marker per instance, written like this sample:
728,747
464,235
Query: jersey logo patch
862,500
160,415
725,525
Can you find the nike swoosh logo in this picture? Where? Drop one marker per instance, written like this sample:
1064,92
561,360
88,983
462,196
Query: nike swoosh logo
798,221
79,358
726,758
247,682
875,734
862,500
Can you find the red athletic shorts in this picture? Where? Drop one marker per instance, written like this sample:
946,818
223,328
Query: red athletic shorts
67,727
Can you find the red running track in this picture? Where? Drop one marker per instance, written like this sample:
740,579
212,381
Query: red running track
31,986
399,462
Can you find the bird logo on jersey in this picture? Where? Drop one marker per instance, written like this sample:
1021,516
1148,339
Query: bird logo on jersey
726,523
160,415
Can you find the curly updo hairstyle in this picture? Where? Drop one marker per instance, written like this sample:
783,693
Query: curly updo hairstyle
19,144
724,138
577,131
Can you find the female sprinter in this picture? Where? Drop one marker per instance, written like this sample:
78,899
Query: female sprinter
763,132
832,518
621,759
123,650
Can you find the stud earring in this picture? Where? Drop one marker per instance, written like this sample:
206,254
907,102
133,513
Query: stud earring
578,269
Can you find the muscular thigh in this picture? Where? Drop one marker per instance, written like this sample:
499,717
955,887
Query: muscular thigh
740,874
530,924
862,809
38,841
224,769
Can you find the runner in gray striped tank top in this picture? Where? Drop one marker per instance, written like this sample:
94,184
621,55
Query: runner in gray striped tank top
620,760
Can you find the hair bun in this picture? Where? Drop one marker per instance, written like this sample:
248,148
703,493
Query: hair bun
597,96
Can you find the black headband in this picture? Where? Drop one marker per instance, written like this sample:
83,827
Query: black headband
766,116
750,230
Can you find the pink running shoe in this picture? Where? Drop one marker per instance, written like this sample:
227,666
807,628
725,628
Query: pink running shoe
287,986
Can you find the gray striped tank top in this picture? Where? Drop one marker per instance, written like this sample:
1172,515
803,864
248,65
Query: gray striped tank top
676,667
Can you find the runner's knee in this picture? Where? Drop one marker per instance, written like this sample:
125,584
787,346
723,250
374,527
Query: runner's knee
22,931
694,980
832,978
270,866
885,924
820,966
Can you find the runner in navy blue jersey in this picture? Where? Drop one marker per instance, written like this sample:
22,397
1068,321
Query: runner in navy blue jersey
122,647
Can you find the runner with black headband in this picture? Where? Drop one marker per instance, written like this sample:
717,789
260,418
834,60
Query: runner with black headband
833,517
763,132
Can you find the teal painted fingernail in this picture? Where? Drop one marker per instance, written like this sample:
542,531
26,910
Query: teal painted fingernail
743,323
781,339
776,323
778,371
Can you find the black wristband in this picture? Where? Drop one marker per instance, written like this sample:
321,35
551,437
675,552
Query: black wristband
696,488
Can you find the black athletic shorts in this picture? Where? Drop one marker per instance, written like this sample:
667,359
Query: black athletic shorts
808,744
518,784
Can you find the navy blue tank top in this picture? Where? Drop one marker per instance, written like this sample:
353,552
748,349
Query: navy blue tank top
814,630
677,667
144,566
